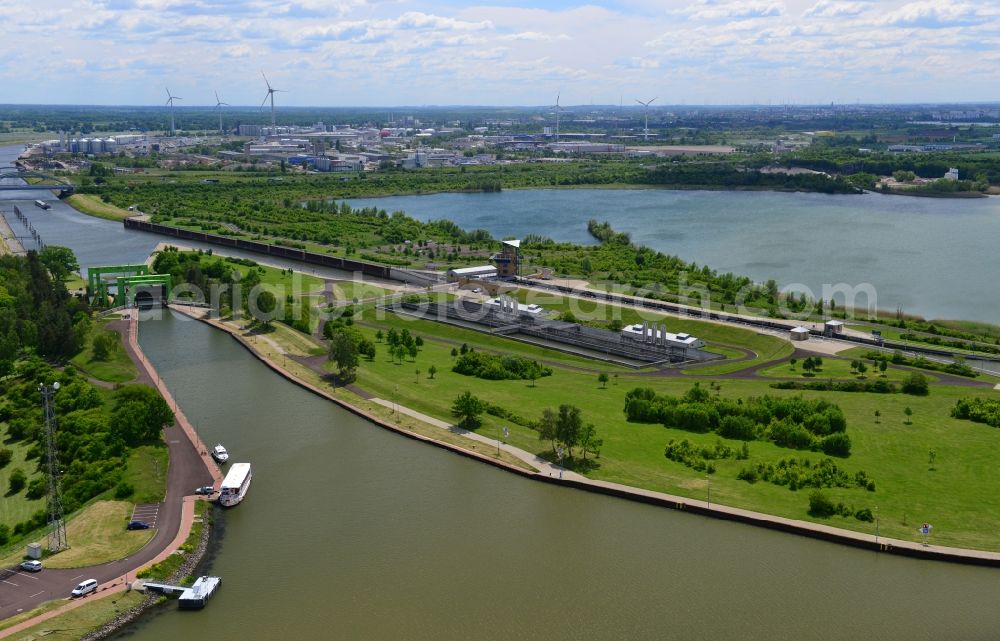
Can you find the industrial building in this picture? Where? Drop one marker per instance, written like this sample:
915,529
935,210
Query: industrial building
651,334
479,272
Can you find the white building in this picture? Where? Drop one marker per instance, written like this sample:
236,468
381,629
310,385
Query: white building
951,174
480,271
799,333
515,306
658,335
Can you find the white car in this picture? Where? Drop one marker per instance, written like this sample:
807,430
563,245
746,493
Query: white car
85,588
32,566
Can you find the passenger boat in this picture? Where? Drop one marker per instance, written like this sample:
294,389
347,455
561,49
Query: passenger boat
220,454
235,485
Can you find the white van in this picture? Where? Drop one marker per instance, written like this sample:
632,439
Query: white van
86,587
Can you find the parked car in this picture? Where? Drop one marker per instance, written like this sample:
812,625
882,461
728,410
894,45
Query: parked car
205,489
138,525
85,588
31,566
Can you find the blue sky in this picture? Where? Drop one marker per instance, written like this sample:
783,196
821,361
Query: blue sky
500,52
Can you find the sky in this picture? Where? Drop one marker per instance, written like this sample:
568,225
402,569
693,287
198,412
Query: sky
499,52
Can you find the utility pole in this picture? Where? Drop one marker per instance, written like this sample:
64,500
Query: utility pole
57,525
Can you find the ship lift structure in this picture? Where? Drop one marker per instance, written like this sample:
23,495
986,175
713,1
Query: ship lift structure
128,286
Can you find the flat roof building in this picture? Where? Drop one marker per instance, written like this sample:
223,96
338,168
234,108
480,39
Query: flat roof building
480,271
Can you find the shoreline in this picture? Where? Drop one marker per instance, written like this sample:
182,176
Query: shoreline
802,528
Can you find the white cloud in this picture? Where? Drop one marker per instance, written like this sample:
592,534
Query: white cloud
739,9
836,9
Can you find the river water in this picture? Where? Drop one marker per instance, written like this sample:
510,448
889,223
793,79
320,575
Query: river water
352,532
931,256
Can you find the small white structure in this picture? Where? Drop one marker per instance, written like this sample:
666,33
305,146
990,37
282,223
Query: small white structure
951,174
481,271
833,327
658,335
799,333
510,305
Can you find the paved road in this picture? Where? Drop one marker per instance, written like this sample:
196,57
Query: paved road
24,591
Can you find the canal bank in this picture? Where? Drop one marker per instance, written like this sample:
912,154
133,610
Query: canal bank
553,474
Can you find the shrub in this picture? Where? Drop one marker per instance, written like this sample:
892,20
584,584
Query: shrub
916,384
820,505
838,444
124,490
5,456
18,479
37,488
864,515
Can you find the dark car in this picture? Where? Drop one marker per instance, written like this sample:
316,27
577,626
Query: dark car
138,525
205,489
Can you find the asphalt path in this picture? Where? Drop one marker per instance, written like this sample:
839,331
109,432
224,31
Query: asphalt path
23,591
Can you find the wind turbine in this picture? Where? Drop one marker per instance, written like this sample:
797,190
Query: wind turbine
218,107
645,130
270,94
170,101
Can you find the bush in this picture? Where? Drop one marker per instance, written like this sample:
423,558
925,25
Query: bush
864,515
5,456
37,488
18,479
916,384
838,444
124,491
820,505
496,368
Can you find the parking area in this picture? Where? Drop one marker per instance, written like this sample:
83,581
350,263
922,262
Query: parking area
23,581
146,512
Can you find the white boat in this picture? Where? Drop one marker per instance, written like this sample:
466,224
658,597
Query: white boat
235,485
220,454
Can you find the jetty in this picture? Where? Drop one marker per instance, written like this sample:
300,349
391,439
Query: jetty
191,598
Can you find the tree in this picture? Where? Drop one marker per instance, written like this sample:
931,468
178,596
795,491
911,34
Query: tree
547,427
412,350
431,371
266,303
344,352
589,441
909,414
60,261
603,379
862,368
454,352
916,384
418,341
139,414
878,415
468,408
104,345
882,366
792,362
568,426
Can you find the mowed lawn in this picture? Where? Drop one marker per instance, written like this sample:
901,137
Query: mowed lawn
960,496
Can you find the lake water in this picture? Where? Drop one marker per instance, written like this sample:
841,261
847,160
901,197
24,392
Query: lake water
931,256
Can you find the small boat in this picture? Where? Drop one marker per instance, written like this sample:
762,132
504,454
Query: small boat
220,454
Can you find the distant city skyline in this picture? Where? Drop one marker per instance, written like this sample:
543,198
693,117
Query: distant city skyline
382,53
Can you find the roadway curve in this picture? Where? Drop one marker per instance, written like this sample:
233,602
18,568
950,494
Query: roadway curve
190,467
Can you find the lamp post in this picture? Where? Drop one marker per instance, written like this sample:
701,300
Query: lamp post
876,526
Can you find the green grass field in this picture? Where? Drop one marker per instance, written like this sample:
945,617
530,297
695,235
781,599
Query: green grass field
838,369
959,496
146,471
118,368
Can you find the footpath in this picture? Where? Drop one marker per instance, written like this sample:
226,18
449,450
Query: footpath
549,473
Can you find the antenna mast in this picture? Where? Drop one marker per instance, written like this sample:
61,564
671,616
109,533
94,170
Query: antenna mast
57,524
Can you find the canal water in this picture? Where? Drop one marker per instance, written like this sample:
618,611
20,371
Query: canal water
353,532
930,256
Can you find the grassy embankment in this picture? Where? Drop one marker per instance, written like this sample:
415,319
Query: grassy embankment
94,206
76,623
117,368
